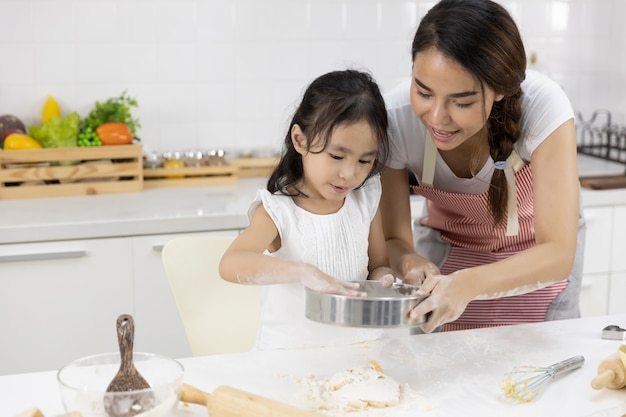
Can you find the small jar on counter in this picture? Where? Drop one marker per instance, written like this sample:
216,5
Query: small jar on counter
152,160
173,160
194,158
215,157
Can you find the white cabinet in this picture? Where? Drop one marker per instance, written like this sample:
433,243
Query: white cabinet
618,259
617,293
158,328
617,285
598,240
597,262
604,279
60,301
593,295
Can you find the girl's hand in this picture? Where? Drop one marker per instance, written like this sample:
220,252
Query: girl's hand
447,300
315,279
418,269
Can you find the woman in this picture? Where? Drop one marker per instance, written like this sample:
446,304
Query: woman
493,148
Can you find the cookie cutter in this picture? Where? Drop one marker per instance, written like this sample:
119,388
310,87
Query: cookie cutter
613,332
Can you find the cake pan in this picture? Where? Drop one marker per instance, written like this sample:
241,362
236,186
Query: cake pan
383,306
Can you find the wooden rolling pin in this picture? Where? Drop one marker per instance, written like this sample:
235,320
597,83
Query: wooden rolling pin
226,401
612,371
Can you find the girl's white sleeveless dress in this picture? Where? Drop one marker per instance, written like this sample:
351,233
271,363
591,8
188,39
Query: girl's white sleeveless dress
337,244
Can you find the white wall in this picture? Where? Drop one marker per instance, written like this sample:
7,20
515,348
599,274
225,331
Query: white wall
225,73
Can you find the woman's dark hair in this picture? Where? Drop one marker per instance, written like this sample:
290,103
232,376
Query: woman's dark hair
334,99
483,38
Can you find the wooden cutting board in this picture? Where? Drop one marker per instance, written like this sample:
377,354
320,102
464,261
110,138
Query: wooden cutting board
608,182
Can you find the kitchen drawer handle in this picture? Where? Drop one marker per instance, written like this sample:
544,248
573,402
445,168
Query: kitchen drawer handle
158,247
43,256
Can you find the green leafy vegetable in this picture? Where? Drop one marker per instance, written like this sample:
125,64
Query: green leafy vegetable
57,132
115,109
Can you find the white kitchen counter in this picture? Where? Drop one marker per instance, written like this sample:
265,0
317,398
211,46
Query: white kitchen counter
152,211
180,210
450,374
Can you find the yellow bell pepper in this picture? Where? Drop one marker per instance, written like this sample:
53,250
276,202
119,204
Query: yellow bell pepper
50,109
18,141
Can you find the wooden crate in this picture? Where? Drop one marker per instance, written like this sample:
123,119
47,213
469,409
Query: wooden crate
101,170
256,167
209,175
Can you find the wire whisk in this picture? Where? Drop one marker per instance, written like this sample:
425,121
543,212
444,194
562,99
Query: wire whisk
523,383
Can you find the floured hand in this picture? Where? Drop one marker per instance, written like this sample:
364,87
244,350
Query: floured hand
384,275
418,270
447,300
315,279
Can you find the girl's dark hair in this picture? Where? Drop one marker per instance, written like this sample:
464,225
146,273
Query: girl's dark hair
331,100
482,37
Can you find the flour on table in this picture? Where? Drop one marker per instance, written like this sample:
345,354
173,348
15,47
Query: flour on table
358,391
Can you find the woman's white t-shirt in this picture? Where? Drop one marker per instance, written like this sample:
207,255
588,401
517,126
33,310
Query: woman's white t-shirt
337,244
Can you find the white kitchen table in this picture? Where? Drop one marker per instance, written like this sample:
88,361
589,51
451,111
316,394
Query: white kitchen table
450,374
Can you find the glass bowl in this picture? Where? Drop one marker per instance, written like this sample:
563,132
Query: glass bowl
83,383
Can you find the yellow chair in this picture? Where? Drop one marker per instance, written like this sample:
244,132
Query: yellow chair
218,316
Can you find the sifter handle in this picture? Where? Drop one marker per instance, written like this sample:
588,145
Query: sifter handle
567,365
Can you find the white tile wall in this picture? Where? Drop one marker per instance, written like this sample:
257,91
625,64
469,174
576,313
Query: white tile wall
227,73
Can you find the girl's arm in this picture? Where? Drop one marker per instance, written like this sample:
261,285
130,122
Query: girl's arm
556,212
398,228
244,261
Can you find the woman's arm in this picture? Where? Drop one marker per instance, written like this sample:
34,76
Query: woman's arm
377,252
398,228
556,212
245,263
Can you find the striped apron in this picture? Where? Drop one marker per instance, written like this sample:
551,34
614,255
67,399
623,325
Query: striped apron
465,223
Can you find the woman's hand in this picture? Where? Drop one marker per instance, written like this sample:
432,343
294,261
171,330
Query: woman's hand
448,298
417,269
313,278
383,274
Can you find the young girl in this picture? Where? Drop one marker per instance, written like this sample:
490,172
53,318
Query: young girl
317,223
493,148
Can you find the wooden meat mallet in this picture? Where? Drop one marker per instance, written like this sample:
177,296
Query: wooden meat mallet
612,371
227,401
